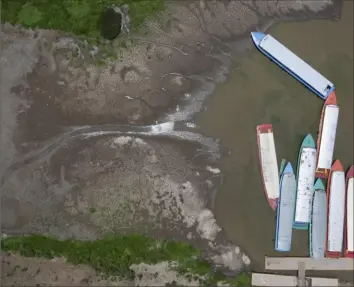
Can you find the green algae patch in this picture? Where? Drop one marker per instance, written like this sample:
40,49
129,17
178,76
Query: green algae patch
80,17
113,255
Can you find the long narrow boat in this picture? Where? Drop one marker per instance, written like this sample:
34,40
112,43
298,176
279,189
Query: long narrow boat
292,64
285,210
268,163
306,165
349,216
336,207
318,223
326,136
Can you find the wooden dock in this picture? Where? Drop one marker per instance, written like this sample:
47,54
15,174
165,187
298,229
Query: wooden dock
261,279
301,264
325,264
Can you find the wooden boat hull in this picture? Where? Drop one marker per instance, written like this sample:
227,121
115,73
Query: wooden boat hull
268,163
335,211
285,210
318,223
349,216
305,179
292,64
326,136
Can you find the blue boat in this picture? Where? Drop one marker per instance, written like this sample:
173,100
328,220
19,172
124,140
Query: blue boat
292,64
285,210
318,223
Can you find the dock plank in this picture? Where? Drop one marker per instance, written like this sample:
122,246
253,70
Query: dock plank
261,279
292,263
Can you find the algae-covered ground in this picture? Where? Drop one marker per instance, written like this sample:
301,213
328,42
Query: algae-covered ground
80,17
115,255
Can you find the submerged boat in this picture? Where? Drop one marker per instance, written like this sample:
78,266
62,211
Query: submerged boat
306,165
349,216
327,136
268,163
293,65
318,223
285,210
336,207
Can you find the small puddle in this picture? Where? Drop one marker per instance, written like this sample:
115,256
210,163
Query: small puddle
259,92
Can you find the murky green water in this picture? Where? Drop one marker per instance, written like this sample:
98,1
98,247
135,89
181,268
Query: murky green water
259,92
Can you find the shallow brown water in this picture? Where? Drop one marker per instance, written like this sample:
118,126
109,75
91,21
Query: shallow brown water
259,92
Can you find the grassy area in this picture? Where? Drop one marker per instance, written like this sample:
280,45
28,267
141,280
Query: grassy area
113,255
80,17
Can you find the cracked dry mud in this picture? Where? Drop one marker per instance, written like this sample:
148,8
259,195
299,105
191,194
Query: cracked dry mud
64,173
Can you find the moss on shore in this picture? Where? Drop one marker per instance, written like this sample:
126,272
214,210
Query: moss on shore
113,255
79,17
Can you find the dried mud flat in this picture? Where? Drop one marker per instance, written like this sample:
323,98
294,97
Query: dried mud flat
90,149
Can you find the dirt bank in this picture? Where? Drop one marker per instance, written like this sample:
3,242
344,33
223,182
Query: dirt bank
131,177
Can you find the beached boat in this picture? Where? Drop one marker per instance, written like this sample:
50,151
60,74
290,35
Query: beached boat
306,165
292,64
349,216
336,207
318,223
285,210
268,163
327,136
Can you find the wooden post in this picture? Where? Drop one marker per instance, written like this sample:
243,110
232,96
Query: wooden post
301,282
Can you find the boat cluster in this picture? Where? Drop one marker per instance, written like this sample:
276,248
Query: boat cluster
319,197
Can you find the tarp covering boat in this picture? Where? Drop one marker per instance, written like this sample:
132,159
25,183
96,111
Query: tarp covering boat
318,223
268,163
285,210
327,136
336,210
305,179
292,64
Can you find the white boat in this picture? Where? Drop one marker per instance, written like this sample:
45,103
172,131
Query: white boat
268,163
306,166
336,210
318,223
349,228
327,136
292,64
285,210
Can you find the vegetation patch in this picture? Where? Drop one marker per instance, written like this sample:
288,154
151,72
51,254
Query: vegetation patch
81,17
113,255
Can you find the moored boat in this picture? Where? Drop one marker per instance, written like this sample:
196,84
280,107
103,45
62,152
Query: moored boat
306,165
318,223
326,136
268,163
292,64
335,211
285,210
349,216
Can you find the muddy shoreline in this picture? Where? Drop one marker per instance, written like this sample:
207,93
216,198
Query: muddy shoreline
72,143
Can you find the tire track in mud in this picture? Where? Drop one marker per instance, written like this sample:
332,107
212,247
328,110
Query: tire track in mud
167,129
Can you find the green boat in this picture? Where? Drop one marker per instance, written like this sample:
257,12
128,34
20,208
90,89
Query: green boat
306,165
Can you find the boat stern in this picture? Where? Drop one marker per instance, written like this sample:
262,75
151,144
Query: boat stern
257,37
300,225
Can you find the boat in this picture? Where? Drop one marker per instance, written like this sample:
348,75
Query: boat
306,165
318,222
285,210
349,216
282,166
335,211
326,136
268,163
292,64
